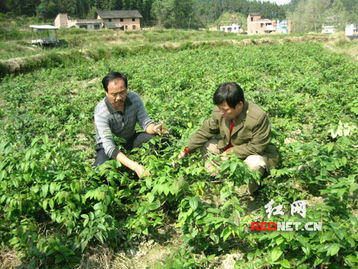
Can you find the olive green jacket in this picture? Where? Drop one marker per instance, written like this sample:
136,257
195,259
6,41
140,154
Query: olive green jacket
251,134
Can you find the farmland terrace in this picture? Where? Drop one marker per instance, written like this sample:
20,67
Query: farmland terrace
57,211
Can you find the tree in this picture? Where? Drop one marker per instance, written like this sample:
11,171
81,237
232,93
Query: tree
20,7
230,18
175,14
336,15
82,8
308,16
146,11
47,9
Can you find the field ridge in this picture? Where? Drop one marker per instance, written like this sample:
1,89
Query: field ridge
26,64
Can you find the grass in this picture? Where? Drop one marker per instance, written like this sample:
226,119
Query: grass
80,39
17,56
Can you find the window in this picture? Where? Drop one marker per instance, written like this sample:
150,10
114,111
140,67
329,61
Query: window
133,27
252,18
262,25
109,20
133,19
126,27
121,19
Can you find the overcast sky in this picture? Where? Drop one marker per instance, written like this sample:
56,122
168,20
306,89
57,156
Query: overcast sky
279,2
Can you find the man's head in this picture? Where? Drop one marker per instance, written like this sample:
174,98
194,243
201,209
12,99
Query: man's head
115,85
229,97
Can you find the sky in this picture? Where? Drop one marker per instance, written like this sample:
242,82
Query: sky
279,2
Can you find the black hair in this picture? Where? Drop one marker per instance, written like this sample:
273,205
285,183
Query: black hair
112,76
230,92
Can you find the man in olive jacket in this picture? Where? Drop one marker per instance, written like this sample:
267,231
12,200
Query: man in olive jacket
236,127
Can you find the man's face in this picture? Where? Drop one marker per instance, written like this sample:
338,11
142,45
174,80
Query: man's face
228,112
117,93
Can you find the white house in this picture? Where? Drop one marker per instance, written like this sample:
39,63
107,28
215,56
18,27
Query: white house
352,31
234,28
328,29
63,21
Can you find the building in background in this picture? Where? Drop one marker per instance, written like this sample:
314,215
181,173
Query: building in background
283,27
259,26
128,20
120,19
328,29
63,21
234,28
352,31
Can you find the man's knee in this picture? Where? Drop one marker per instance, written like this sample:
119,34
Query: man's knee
256,163
210,147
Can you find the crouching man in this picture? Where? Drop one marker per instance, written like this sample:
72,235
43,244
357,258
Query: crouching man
117,115
236,127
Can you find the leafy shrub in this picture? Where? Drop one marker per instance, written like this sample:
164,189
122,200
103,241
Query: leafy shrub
55,204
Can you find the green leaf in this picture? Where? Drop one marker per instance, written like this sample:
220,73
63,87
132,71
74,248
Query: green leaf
306,250
250,256
44,189
233,166
44,204
333,249
193,202
351,260
285,263
150,197
226,233
53,187
279,240
276,254
51,203
317,261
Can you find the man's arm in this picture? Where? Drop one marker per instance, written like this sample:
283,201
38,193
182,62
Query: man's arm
209,129
106,137
110,149
136,167
260,139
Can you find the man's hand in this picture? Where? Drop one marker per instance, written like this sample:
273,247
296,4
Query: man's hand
180,156
156,129
159,129
225,155
142,171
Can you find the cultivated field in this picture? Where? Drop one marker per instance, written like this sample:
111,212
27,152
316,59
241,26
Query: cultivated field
57,211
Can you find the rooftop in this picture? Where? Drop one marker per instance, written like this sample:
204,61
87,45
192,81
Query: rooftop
88,21
118,14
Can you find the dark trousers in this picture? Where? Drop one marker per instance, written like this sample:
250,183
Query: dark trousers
135,142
